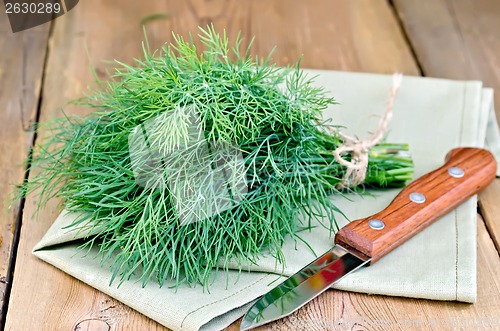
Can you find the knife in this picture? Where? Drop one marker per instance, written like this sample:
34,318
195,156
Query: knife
362,242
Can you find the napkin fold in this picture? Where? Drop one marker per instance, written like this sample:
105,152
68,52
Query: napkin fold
432,115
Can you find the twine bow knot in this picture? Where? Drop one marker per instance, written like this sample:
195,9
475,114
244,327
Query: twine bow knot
358,149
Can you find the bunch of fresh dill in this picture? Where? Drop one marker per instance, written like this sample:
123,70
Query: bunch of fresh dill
193,158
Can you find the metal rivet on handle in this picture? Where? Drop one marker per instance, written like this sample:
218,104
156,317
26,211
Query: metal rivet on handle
376,224
456,172
417,197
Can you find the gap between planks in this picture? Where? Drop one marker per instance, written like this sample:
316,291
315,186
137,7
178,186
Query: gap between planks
21,68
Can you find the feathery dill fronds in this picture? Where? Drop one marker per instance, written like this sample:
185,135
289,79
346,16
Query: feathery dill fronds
263,118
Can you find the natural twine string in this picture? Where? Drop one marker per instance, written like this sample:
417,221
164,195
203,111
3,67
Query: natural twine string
358,149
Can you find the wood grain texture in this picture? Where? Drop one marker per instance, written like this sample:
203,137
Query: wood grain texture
490,210
403,218
455,38
361,35
21,68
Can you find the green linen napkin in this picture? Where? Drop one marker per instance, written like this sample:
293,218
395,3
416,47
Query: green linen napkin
433,116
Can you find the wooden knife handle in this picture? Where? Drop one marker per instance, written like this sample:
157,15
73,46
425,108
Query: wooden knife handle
421,203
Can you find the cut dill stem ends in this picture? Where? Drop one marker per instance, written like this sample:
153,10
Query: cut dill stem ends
193,158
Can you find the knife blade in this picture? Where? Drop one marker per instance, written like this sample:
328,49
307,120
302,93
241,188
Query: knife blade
362,242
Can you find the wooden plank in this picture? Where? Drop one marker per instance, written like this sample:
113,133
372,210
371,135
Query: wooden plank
490,207
455,39
338,310
362,36
345,35
21,67
459,39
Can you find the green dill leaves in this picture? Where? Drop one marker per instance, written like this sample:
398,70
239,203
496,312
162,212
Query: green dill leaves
193,158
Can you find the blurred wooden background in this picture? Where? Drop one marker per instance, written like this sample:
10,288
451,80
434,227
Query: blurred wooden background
44,67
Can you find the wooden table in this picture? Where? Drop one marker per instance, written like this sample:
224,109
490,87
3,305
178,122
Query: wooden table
44,67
